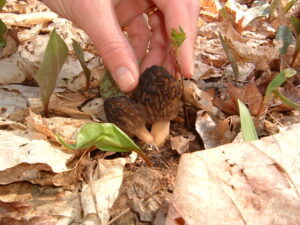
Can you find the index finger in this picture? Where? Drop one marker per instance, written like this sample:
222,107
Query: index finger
182,13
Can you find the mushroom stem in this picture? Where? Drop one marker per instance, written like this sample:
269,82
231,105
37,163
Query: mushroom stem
160,131
144,135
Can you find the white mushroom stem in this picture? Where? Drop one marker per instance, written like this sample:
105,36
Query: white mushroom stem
144,135
160,131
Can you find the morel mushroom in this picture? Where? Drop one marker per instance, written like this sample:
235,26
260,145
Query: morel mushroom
159,95
128,116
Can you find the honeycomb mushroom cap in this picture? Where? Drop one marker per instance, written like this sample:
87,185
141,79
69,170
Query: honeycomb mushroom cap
159,94
125,113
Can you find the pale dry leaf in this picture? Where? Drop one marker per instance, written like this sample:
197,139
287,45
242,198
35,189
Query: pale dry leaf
95,109
98,196
17,147
200,99
181,144
13,105
245,183
214,132
15,69
27,20
11,45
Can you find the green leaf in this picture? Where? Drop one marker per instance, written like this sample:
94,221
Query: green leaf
285,100
296,24
106,137
108,87
277,81
247,125
288,6
285,35
230,57
2,42
2,3
3,28
80,56
178,37
55,56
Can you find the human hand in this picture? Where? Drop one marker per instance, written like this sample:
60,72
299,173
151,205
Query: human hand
103,20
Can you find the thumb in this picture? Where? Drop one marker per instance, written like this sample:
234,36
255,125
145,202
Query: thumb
98,20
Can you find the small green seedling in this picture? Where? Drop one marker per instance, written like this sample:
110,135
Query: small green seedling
274,85
230,57
247,125
288,6
286,36
54,58
3,28
296,25
108,87
106,137
80,56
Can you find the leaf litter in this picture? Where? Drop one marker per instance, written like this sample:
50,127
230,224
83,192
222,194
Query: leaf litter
43,181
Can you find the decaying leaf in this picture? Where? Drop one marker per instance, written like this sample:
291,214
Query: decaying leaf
214,132
100,193
249,94
245,183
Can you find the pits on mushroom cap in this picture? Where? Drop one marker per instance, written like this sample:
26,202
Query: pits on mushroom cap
159,95
128,116
156,101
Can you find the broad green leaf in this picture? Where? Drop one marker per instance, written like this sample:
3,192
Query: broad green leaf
178,37
285,35
288,6
285,100
3,28
247,125
277,81
274,5
108,87
230,57
106,137
2,3
54,57
80,56
296,24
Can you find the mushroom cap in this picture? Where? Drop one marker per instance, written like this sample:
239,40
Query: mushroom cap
125,113
159,95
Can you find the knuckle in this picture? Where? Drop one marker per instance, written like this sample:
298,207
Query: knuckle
111,49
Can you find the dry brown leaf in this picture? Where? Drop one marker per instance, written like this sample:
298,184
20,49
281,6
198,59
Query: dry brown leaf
32,204
246,183
181,144
215,132
249,95
24,154
98,196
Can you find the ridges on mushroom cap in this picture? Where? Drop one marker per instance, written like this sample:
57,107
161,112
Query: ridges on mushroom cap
125,113
159,94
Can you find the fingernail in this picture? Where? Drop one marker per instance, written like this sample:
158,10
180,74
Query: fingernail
124,78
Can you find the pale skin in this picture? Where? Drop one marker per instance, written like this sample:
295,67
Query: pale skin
149,44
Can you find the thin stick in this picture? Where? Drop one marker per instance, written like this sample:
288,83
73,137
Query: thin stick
118,216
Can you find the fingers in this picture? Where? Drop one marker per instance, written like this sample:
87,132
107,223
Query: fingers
100,23
159,42
139,35
182,13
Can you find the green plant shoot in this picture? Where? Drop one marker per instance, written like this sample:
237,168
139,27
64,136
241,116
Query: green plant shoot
247,125
54,58
106,137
